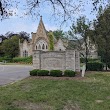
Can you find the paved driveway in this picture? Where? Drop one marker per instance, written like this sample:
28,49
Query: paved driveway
11,73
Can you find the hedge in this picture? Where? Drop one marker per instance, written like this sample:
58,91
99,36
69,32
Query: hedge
95,66
5,58
22,60
82,60
69,73
34,72
43,73
56,73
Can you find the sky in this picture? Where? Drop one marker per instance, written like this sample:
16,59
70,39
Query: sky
29,24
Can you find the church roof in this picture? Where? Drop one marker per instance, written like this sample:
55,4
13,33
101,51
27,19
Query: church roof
41,25
41,31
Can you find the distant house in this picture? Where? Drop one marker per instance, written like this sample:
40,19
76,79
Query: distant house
80,45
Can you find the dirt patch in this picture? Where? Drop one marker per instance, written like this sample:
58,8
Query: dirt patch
71,106
108,97
99,101
56,78
31,106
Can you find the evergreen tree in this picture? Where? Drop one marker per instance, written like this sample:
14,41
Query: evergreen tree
102,34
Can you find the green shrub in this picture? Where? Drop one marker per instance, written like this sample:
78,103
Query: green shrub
22,59
6,58
82,60
1,59
34,72
43,73
95,66
56,73
69,73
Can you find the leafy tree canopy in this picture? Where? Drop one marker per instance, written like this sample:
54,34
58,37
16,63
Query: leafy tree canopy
51,40
58,34
102,34
10,47
81,30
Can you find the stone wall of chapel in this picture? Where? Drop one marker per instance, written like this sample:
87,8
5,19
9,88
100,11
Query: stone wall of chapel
41,45
40,34
25,46
59,46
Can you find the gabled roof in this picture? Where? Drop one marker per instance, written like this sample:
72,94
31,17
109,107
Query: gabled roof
41,31
41,24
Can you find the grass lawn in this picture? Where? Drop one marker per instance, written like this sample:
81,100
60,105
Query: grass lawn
89,93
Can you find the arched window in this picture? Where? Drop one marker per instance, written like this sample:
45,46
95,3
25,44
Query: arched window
60,49
36,47
39,47
46,46
43,46
25,53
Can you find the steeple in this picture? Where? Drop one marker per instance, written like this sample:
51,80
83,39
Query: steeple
41,25
41,17
41,31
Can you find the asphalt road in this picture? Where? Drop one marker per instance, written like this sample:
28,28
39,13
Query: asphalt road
12,73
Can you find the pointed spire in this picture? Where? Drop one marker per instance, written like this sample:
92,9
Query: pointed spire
41,17
41,31
41,24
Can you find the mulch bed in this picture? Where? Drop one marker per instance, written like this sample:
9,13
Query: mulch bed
77,77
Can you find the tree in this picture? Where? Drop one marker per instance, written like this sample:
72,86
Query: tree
62,9
24,35
9,34
102,34
2,37
79,31
58,34
10,47
51,41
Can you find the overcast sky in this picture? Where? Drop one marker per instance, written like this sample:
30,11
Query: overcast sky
28,24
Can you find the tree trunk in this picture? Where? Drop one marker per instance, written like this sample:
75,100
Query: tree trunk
106,54
86,49
106,59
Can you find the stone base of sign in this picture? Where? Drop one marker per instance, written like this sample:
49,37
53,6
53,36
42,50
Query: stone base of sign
53,60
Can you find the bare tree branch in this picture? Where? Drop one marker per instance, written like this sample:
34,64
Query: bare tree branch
62,9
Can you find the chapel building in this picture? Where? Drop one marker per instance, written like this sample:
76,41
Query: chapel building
40,41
